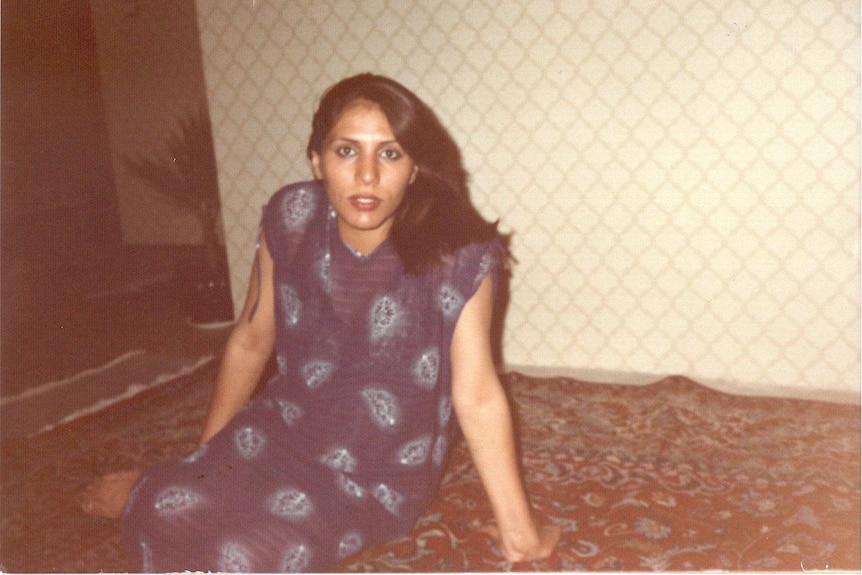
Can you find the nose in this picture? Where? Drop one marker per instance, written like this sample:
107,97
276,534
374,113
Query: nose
367,169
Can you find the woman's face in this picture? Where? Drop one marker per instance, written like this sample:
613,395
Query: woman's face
366,173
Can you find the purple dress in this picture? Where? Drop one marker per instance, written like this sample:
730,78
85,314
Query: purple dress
345,446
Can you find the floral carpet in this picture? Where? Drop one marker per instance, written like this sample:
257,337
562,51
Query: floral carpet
669,476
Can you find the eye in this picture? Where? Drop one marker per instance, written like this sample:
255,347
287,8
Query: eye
390,154
345,151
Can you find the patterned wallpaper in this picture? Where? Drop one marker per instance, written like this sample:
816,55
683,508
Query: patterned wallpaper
682,178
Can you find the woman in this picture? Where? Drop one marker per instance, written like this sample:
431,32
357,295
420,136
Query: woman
374,284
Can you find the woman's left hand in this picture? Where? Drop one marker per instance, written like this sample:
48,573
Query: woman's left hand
519,547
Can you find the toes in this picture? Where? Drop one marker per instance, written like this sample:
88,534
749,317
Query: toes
107,495
86,501
90,496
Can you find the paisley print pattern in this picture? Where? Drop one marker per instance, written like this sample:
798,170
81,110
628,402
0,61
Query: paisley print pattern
297,208
385,318
249,442
146,558
340,459
440,448
296,559
343,447
444,411
389,498
450,302
426,368
176,500
383,407
316,372
290,303
350,487
290,412
234,558
324,272
291,503
349,544
415,452
197,454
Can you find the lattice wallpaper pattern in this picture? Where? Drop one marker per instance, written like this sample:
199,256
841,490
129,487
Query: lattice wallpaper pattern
682,177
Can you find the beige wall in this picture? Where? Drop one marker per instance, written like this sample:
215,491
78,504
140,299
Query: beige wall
681,177
150,62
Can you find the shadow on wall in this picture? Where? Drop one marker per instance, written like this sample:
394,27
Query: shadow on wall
183,174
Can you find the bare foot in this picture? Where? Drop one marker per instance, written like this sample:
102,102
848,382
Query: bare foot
107,495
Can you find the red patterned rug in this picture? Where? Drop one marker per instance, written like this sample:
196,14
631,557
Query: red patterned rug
669,476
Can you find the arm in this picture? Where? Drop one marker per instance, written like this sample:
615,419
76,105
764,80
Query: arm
246,354
247,351
483,412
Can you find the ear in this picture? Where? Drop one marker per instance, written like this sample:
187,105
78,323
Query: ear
414,174
315,166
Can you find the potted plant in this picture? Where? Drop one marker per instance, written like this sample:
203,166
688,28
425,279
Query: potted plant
184,175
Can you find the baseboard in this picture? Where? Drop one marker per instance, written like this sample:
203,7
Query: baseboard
44,407
735,388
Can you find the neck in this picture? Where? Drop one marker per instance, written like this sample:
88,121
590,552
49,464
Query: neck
361,243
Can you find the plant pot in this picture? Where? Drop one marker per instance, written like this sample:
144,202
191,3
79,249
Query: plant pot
210,301
207,295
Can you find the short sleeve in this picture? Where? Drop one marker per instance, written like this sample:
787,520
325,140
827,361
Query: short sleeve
287,214
284,222
474,263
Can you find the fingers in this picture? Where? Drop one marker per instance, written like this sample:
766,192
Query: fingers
549,538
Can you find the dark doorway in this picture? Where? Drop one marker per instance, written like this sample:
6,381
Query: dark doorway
73,294
58,198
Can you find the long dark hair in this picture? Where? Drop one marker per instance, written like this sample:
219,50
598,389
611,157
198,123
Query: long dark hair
436,216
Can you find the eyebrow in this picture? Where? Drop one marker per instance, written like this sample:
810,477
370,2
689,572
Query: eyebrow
355,141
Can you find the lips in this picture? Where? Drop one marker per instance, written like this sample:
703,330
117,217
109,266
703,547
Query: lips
365,203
